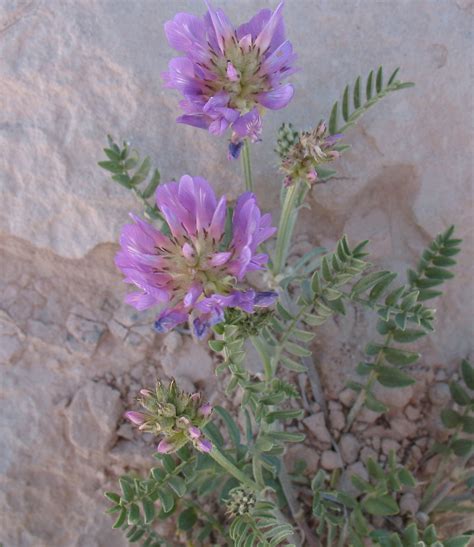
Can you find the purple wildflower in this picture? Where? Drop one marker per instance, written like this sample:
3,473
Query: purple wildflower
190,271
228,75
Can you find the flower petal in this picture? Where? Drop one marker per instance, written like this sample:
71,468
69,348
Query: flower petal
277,98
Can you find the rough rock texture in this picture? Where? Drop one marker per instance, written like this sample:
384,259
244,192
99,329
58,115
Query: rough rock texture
72,71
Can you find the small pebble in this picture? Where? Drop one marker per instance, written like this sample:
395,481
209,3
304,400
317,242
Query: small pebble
409,504
388,445
337,419
367,453
349,447
316,424
412,413
439,394
330,460
347,397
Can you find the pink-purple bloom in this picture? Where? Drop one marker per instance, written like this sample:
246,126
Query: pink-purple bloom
193,271
229,75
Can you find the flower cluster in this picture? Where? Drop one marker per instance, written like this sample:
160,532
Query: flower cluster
194,272
176,415
228,75
241,501
301,154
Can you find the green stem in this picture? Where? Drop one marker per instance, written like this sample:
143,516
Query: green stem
219,458
285,228
359,403
246,166
289,214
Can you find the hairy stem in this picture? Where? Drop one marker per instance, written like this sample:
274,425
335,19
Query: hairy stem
246,166
219,458
285,227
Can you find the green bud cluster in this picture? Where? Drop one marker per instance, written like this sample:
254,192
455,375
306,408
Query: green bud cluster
241,502
287,137
249,324
176,415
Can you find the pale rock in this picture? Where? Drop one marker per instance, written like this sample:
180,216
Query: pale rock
367,453
172,341
337,419
190,361
85,331
441,375
412,412
368,416
350,447
11,338
317,425
334,405
330,460
347,397
393,397
300,452
388,445
404,427
409,504
92,418
125,431
440,394
375,441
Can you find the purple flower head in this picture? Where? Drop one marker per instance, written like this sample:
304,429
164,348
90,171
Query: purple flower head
193,271
229,75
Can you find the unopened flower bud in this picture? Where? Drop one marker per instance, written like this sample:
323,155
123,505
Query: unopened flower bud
194,432
146,392
333,154
195,397
204,445
136,418
183,421
312,176
164,447
205,410
321,129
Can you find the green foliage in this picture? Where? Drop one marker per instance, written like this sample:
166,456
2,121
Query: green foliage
260,527
341,515
129,170
461,420
434,266
412,536
403,318
167,491
375,89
